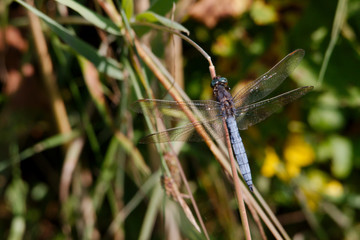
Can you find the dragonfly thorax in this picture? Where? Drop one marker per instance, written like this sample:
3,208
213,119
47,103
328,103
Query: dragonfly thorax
223,96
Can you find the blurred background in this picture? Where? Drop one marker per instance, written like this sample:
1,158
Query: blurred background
70,162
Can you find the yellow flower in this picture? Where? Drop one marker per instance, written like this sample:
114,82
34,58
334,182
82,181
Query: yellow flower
271,162
292,170
334,189
298,152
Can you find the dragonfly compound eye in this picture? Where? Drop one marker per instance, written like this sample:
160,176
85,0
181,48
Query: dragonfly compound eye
219,80
214,82
223,81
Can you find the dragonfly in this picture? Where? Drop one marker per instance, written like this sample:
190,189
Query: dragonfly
240,110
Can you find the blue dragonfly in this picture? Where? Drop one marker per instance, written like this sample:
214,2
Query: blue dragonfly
241,110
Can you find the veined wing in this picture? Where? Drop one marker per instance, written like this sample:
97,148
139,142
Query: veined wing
269,81
187,132
252,114
203,109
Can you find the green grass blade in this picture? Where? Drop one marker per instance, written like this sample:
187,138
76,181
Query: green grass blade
48,143
340,16
105,65
153,18
96,19
128,7
151,213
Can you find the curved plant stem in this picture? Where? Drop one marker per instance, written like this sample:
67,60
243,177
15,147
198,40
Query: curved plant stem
186,183
271,214
187,39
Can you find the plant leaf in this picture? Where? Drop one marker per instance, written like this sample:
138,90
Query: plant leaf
128,7
153,17
161,6
48,143
94,18
340,18
103,64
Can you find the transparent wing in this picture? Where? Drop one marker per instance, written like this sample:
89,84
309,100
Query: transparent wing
252,114
269,81
187,133
204,109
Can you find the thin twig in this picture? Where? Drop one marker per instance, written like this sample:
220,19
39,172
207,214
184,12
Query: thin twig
263,216
271,214
173,31
236,179
187,39
256,218
183,177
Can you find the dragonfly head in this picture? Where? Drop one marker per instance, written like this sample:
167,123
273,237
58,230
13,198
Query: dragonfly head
219,80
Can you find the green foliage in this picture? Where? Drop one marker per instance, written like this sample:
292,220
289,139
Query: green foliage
128,7
149,16
93,180
95,18
103,64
